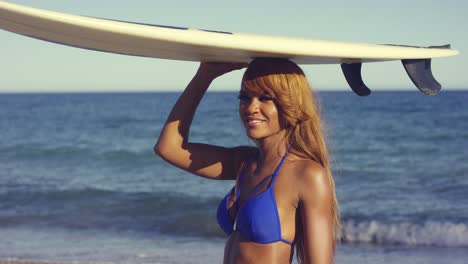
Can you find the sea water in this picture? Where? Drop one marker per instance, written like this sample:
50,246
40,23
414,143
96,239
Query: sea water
79,180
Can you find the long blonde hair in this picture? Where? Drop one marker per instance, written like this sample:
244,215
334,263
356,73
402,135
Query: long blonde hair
299,113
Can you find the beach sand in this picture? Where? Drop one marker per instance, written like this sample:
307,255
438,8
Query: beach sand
346,254
15,261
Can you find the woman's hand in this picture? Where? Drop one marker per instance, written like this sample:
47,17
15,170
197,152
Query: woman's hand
213,70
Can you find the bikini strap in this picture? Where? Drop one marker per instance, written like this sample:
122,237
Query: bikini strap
239,181
273,176
260,185
279,166
287,242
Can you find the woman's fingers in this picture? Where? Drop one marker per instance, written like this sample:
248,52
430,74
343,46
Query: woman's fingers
216,69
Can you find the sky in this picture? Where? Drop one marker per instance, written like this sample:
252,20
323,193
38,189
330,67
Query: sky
30,65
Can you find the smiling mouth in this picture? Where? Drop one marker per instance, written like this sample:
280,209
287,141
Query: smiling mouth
254,122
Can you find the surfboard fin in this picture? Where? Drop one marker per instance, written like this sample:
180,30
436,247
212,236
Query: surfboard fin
352,73
419,71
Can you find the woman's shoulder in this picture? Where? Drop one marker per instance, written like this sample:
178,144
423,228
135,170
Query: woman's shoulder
305,168
310,176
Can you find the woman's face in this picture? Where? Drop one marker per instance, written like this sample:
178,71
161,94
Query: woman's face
258,114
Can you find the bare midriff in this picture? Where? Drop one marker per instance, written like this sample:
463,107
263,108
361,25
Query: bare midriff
241,251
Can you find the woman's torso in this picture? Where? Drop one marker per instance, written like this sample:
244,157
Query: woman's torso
240,251
280,191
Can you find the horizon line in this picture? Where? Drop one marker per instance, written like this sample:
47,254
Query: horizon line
216,91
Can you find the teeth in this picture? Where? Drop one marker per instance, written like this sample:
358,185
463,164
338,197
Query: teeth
254,122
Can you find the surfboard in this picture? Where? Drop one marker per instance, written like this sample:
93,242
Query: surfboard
178,43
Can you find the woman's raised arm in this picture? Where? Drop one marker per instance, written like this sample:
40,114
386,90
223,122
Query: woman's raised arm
173,144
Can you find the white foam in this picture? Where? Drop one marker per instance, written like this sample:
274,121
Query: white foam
427,234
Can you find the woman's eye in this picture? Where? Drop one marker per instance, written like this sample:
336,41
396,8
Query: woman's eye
265,98
243,97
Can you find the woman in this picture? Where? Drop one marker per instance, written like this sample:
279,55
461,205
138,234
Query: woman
284,194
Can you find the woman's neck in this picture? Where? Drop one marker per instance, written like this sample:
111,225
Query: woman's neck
271,148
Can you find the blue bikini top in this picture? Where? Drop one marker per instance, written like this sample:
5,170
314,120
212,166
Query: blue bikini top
257,219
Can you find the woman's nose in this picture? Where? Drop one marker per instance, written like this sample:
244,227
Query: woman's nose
252,106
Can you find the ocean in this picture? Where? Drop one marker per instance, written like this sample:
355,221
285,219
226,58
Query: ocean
79,181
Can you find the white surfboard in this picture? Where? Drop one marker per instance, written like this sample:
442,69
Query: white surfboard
167,42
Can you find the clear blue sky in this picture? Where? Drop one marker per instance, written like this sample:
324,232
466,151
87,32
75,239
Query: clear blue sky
33,65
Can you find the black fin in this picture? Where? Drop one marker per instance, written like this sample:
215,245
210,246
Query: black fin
419,71
352,73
